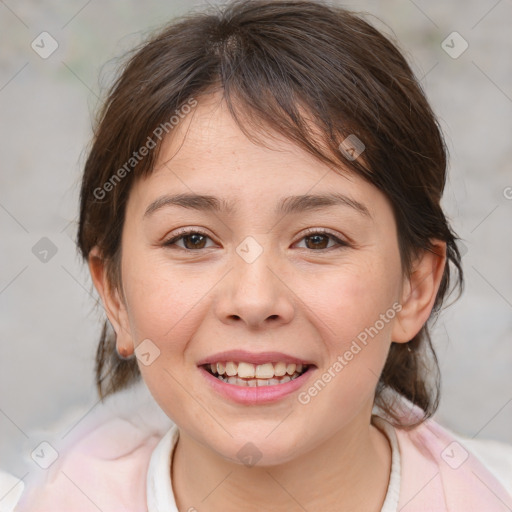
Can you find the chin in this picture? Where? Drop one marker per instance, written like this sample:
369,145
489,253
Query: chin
251,450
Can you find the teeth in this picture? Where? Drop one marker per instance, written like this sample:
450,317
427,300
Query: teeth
248,374
265,371
231,368
257,382
279,369
246,370
290,369
250,371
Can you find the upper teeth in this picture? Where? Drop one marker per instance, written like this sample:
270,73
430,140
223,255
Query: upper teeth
260,371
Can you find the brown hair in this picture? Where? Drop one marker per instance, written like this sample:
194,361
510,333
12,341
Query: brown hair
281,65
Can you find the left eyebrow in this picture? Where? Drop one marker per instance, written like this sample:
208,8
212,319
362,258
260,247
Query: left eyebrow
287,205
295,204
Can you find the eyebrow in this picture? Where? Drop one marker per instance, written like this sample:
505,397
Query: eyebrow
287,205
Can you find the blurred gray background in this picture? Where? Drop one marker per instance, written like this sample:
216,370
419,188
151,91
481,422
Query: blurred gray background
48,324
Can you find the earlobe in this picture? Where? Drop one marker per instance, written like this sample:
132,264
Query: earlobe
419,292
112,302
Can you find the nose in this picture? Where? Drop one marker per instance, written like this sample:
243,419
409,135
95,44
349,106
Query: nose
255,293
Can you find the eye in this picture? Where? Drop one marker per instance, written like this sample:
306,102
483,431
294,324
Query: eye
192,239
318,239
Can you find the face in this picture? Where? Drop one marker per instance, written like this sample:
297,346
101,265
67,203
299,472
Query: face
313,282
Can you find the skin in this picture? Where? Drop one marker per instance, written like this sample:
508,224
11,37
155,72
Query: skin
308,298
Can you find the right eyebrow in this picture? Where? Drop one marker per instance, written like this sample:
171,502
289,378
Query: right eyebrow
191,201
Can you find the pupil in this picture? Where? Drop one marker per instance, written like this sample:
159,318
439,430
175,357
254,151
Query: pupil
194,237
316,237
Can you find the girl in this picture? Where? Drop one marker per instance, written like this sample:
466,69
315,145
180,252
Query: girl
260,214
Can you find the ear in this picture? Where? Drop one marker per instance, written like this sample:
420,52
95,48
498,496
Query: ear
112,302
419,292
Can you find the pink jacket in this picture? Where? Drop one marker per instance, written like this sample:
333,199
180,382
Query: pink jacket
106,470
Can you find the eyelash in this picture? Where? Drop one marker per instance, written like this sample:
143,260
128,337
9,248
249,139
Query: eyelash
187,232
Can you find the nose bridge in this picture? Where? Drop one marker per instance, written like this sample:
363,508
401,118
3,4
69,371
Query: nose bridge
251,266
254,293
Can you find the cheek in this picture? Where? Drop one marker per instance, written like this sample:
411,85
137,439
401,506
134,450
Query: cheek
353,299
354,319
162,299
354,315
164,306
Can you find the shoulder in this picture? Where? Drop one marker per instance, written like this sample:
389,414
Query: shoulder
103,466
458,459
496,456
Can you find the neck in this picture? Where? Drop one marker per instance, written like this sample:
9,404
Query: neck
347,472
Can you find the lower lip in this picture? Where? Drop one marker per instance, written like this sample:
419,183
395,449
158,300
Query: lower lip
256,395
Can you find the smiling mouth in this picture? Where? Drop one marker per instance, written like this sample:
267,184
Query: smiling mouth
265,375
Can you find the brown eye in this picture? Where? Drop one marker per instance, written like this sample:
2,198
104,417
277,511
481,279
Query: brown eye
192,240
319,240
196,240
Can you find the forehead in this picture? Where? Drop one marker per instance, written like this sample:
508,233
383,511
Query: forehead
210,129
208,154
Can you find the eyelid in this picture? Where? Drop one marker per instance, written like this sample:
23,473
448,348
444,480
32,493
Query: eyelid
342,241
177,235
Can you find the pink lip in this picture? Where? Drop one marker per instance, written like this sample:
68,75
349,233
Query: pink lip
250,357
255,395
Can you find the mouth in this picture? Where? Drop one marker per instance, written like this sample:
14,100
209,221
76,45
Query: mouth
244,374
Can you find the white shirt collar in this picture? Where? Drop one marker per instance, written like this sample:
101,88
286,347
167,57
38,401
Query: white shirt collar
392,496
160,496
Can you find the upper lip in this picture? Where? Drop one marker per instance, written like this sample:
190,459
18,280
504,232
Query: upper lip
252,357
